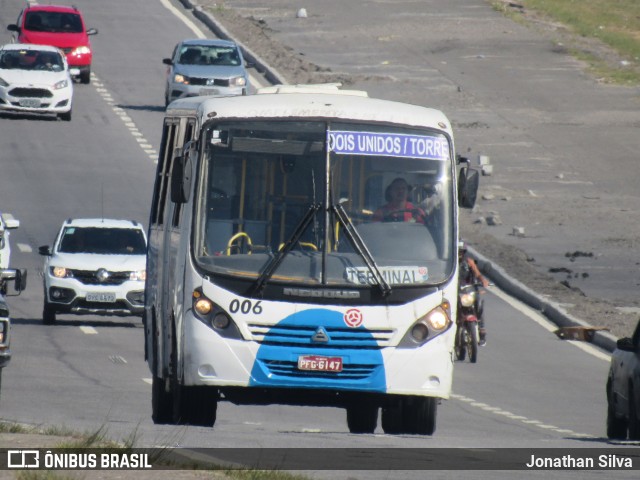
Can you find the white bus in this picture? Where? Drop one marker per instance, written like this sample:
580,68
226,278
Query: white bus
281,269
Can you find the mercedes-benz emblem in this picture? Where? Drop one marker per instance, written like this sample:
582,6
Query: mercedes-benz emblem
102,275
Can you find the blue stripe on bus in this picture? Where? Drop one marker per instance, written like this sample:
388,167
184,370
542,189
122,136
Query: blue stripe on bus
276,365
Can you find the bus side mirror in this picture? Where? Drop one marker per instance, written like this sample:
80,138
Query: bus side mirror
21,280
468,183
18,275
181,179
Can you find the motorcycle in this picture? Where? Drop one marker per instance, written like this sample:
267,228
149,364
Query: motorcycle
469,314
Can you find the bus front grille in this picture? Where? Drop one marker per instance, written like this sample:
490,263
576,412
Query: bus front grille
321,337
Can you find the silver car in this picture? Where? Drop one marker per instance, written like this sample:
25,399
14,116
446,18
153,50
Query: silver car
205,67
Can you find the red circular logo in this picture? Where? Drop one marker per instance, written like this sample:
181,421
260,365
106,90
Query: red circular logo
353,317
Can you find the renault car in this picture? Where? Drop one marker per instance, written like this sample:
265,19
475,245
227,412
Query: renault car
95,267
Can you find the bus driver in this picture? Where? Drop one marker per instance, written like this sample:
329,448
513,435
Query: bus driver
398,207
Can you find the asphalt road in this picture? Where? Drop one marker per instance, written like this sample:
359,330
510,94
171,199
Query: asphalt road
528,390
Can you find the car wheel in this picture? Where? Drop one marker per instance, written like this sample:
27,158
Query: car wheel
85,76
616,427
66,116
634,422
48,314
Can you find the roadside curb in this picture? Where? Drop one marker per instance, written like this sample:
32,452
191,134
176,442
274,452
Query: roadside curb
552,310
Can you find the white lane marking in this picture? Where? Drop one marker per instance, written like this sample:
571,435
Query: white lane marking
118,359
520,418
24,248
194,28
147,380
546,323
126,119
88,330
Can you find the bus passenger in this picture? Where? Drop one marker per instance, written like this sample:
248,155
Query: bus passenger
398,207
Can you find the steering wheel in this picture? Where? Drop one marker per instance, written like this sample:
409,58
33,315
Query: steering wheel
238,236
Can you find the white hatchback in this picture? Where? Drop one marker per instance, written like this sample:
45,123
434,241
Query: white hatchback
96,266
35,79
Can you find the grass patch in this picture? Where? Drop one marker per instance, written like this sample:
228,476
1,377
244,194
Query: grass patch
613,23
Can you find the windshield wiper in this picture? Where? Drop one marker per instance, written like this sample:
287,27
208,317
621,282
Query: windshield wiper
275,262
361,248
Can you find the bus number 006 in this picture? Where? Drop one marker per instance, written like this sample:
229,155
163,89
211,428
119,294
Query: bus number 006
246,306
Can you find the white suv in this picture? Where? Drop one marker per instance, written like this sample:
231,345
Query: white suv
96,266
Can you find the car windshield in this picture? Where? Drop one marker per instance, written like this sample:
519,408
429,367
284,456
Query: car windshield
208,55
60,22
31,60
276,207
109,241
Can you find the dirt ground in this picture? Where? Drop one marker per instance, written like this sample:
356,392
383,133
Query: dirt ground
256,34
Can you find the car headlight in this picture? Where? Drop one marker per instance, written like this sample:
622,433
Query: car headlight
61,272
138,275
467,299
238,81
61,84
178,78
3,83
82,50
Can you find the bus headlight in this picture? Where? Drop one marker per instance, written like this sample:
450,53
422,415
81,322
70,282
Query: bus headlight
214,316
201,304
427,327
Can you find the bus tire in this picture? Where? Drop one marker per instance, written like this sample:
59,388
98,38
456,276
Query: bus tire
362,418
198,406
422,411
161,402
392,423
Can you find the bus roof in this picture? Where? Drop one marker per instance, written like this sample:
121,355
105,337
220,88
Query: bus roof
311,101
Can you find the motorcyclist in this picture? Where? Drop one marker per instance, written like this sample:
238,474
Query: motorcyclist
470,274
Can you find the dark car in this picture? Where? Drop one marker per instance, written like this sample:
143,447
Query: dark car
623,389
59,26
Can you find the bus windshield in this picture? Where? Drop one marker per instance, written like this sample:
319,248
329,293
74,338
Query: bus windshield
311,203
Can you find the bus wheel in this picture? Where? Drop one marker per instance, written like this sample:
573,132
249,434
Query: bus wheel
362,418
197,406
392,419
420,415
161,402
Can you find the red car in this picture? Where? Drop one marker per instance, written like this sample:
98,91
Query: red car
62,27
